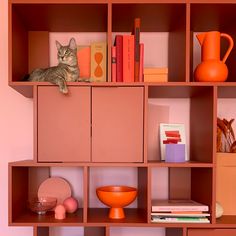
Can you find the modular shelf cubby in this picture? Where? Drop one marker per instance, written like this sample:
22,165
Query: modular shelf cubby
192,106
183,183
163,32
130,176
29,35
213,17
25,179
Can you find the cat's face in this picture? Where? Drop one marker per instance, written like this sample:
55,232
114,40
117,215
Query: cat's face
67,54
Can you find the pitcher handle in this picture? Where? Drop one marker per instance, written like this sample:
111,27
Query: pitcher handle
231,44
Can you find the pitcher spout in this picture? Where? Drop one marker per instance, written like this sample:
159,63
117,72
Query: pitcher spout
201,38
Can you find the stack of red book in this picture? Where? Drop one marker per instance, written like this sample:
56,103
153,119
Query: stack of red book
127,56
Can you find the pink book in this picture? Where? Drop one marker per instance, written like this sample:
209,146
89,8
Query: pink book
177,205
141,63
128,58
119,58
113,64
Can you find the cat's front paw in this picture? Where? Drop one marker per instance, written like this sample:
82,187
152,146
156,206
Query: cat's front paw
64,90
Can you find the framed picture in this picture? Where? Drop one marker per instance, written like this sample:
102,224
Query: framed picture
172,134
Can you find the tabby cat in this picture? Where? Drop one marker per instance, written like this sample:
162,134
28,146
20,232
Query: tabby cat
66,70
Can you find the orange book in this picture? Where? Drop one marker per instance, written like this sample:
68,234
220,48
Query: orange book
113,64
141,63
128,58
84,61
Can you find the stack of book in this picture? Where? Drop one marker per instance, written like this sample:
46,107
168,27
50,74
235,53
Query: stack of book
155,74
127,56
179,211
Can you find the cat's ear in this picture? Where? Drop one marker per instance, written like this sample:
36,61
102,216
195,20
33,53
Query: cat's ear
72,44
58,45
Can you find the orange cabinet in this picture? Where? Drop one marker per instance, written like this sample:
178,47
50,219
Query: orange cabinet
117,124
64,121
211,232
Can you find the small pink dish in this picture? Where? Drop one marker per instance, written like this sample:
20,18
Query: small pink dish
41,205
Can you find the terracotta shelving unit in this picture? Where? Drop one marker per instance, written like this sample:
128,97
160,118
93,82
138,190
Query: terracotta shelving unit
107,129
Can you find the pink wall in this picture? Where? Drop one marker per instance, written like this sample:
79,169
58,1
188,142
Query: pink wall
16,131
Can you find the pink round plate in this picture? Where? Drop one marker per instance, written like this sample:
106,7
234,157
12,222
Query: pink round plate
55,187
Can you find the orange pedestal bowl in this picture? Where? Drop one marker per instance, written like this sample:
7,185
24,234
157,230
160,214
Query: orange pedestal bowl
116,197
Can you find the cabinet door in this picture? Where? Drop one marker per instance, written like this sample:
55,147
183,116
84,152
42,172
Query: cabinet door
64,124
117,124
211,232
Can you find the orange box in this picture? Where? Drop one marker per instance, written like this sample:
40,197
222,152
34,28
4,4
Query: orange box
225,182
84,61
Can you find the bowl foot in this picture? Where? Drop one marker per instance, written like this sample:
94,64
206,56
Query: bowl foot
116,213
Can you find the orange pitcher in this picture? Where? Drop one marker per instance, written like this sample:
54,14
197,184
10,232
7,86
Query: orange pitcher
212,69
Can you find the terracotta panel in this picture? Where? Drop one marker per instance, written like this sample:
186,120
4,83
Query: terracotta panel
225,182
38,50
117,124
63,124
202,232
221,232
211,232
179,183
41,231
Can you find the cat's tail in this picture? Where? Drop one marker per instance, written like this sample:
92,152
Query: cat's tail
26,77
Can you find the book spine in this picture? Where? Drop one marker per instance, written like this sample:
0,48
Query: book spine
113,64
119,58
181,220
136,48
98,61
128,58
141,64
179,208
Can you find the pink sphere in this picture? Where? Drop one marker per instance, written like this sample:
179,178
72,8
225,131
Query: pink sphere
71,204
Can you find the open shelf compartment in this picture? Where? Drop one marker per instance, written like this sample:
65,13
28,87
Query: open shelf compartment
23,185
192,106
162,30
213,17
136,177
182,184
29,35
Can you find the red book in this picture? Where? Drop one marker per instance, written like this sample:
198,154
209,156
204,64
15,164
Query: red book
128,58
141,64
119,58
113,64
136,48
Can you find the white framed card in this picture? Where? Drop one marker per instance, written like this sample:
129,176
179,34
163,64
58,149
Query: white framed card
172,134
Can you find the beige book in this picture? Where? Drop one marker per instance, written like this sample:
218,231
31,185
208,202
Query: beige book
99,61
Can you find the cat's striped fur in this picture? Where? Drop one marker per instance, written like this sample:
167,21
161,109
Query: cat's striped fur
66,70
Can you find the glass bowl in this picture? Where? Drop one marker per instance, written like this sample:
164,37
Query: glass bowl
41,205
